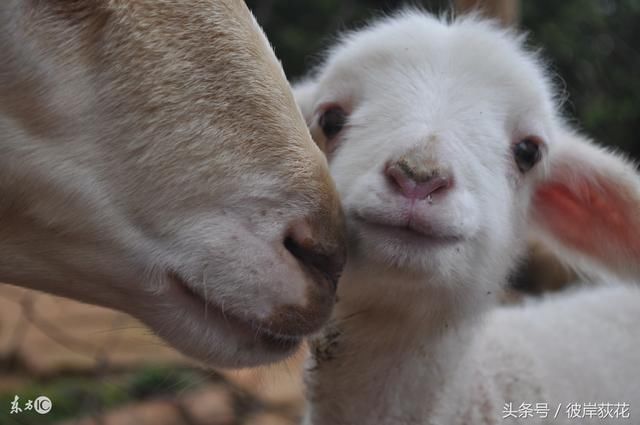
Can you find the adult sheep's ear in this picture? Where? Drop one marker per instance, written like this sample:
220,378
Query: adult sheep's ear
588,206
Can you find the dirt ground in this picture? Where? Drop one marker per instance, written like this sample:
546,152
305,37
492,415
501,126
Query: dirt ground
103,367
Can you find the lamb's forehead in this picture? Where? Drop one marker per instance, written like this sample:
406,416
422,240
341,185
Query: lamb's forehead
471,48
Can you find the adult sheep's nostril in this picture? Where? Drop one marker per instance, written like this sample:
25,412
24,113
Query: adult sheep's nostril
324,264
416,183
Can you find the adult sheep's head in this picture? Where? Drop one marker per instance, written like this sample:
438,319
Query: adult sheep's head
153,160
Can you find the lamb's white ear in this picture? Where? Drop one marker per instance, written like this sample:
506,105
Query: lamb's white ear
589,205
304,92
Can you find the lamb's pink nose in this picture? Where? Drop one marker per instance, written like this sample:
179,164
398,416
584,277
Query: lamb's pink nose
415,182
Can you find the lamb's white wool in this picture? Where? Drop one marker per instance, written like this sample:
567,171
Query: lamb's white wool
153,160
447,147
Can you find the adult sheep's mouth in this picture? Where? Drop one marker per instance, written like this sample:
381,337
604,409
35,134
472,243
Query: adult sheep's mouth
243,327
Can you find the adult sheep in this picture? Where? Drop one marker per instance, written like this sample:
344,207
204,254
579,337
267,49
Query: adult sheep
153,160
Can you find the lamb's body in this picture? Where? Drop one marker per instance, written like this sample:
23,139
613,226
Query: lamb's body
578,347
390,368
425,124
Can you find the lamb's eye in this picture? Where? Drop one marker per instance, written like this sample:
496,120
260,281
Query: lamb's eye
332,121
527,154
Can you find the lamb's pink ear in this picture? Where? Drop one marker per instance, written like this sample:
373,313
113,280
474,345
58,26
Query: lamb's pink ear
589,205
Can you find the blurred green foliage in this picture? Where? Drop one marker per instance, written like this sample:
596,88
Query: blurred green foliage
592,45
77,396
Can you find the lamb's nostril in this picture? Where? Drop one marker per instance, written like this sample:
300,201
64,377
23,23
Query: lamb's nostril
416,184
323,266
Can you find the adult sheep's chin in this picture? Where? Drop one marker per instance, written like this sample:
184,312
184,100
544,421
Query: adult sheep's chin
247,303
205,331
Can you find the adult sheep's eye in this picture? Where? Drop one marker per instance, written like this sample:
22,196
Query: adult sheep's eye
332,121
527,154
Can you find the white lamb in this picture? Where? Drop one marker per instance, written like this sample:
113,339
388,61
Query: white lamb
446,145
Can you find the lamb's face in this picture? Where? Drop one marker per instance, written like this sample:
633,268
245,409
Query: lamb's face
435,134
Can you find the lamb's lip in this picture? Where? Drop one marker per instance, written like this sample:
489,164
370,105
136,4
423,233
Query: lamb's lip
409,231
273,340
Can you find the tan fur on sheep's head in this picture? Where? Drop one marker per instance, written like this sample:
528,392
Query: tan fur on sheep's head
153,160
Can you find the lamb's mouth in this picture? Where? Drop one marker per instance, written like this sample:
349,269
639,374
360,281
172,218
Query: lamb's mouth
252,330
407,232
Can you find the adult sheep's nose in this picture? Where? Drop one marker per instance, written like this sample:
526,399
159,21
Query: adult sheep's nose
415,181
317,243
320,251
